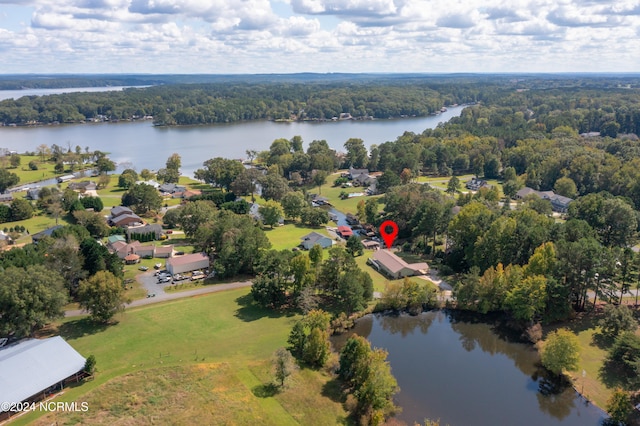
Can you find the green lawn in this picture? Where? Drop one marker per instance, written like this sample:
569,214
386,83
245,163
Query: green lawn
593,351
26,175
198,360
350,205
288,236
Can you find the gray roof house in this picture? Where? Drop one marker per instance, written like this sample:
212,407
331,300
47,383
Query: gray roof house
314,238
559,203
34,366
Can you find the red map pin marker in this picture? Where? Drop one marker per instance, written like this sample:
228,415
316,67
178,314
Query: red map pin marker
389,237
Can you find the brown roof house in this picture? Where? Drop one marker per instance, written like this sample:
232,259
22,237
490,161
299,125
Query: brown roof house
394,267
187,263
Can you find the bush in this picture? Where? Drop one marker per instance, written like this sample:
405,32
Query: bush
33,165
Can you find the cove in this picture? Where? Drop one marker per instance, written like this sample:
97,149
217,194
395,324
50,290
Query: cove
452,367
141,145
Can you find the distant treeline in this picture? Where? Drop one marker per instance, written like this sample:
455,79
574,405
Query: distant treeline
322,97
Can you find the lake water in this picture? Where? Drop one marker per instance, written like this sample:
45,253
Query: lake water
144,146
15,94
463,373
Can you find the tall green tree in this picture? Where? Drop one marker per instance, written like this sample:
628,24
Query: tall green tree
271,212
356,153
102,295
7,180
561,351
219,172
29,299
142,198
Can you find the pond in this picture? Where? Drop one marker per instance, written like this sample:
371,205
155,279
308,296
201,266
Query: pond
464,372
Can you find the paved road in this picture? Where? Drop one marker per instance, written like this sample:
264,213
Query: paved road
160,297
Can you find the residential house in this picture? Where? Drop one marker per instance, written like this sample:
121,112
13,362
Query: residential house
149,228
475,184
84,186
355,173
171,189
5,238
33,194
126,220
46,233
131,259
6,197
187,263
115,238
394,267
559,203
120,210
35,368
314,238
164,251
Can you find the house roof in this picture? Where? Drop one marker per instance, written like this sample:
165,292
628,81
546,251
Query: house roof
46,233
313,237
131,257
164,249
187,258
125,217
345,230
34,365
394,264
370,243
115,238
118,210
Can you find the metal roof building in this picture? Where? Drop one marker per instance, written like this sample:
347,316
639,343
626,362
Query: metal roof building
34,365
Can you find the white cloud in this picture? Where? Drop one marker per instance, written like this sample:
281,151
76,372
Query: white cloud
320,35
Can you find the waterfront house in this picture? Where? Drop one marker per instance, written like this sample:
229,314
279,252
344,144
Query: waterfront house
313,238
394,267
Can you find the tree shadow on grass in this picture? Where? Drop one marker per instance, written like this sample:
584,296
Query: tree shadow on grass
333,390
80,328
602,341
251,311
613,376
266,390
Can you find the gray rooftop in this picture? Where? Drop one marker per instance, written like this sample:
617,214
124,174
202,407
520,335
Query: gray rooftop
313,237
32,366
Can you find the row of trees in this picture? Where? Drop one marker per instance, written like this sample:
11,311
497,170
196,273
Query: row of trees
38,280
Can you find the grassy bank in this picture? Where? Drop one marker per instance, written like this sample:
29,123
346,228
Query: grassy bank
198,360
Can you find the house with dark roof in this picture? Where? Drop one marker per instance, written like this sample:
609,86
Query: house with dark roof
33,194
559,203
120,210
171,188
395,267
46,233
83,186
187,263
35,368
313,238
6,197
475,184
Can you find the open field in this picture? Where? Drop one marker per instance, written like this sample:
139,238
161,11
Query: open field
197,360
350,205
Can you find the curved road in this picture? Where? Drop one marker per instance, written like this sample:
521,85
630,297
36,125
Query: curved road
161,296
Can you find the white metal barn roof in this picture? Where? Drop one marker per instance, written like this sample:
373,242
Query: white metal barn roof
34,365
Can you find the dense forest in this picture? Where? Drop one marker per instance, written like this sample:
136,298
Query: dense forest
189,100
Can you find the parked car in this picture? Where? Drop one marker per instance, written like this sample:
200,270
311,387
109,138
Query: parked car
143,268
157,266
169,232
164,279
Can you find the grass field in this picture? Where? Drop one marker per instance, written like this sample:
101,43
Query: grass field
597,384
202,360
288,236
350,205
26,175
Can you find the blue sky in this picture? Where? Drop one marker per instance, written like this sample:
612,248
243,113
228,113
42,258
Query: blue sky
284,36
